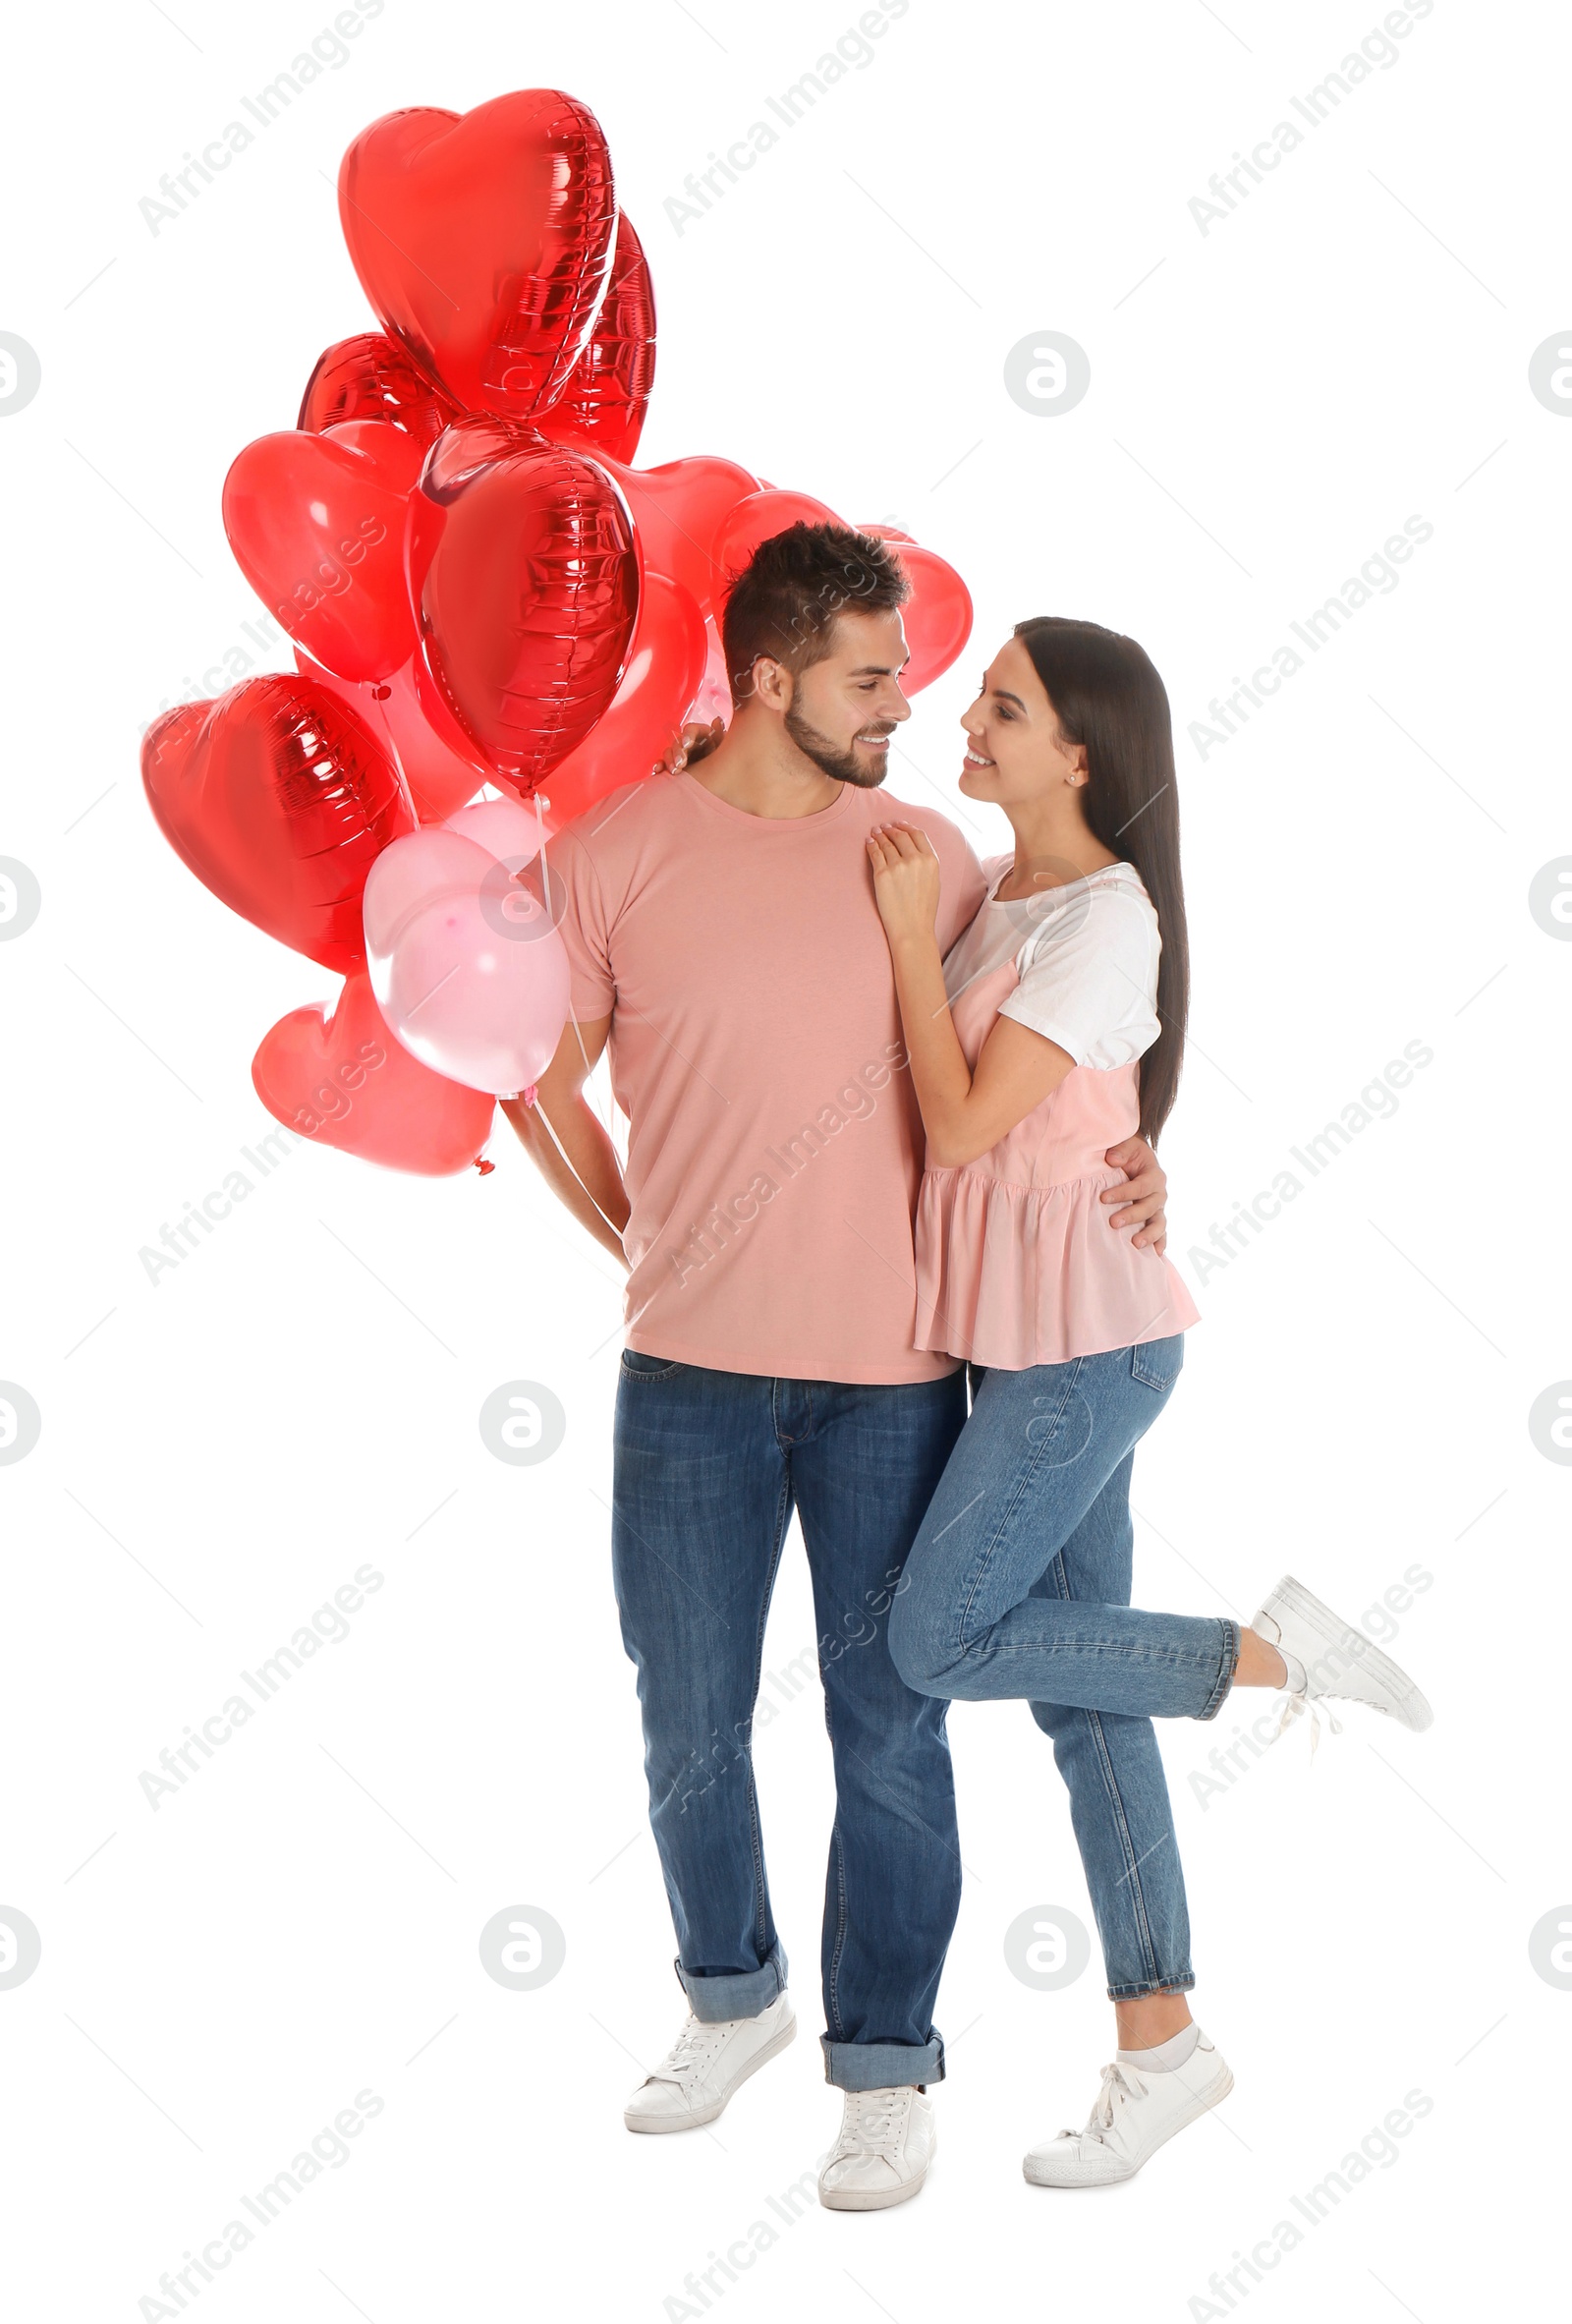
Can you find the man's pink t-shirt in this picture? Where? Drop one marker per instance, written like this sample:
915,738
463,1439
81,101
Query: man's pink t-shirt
775,1145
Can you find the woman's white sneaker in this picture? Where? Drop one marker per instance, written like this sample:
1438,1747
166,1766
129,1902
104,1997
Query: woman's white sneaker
1334,1659
705,2065
1137,2112
882,2154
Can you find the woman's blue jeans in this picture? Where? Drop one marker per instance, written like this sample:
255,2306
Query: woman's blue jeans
1017,1588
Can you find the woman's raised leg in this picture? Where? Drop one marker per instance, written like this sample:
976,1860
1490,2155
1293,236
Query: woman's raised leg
1034,1458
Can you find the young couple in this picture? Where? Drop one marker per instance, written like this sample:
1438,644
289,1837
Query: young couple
801,984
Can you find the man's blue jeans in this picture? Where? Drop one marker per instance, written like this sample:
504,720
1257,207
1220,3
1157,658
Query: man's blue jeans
1018,1586
710,1466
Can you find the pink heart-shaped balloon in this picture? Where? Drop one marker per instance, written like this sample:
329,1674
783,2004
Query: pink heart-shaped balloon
280,800
342,1080
483,241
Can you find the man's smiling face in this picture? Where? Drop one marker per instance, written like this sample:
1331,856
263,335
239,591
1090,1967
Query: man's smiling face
845,707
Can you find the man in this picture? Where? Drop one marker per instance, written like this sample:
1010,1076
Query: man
723,937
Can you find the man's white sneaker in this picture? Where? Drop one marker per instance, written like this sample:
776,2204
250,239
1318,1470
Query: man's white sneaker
705,2065
1336,1659
1135,2113
882,2154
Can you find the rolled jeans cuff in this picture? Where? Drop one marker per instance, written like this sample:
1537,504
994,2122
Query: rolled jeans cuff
1182,1982
881,2066
744,1992
1225,1674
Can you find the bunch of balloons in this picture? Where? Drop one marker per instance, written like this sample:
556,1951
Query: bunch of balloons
480,591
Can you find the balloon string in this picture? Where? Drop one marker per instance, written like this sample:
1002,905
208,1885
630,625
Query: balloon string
541,850
528,1095
542,1115
392,746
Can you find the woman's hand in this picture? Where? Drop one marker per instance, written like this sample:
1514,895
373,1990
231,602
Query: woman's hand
906,881
694,743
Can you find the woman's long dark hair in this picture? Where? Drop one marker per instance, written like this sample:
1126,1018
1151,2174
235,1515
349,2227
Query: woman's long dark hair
1108,697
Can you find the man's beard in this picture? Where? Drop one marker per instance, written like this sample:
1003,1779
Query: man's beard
843,766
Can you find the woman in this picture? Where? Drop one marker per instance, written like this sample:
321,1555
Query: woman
1054,1026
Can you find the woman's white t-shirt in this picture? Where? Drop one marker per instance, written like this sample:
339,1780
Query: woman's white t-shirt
1085,957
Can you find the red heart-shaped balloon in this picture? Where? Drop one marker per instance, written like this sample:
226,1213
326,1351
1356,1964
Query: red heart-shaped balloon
759,518
437,779
342,1080
396,455
280,800
483,241
665,669
367,377
525,576
678,509
317,525
937,616
603,405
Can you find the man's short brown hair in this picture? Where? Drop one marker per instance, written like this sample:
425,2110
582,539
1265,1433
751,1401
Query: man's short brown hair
784,601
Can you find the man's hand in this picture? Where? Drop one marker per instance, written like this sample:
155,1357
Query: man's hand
688,748
1142,1196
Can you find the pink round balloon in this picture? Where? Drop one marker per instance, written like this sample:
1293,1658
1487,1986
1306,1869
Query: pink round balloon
506,829
467,967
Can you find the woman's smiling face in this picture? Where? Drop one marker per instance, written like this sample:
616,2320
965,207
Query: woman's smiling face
1014,749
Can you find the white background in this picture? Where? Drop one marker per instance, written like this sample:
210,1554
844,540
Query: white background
220,1451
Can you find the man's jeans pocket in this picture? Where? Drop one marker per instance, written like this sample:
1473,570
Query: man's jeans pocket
640,1367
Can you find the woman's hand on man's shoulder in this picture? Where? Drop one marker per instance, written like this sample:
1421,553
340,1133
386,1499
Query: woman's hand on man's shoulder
694,742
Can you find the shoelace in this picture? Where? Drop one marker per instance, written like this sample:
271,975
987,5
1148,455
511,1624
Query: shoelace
1120,2083
874,2122
690,2054
1296,1704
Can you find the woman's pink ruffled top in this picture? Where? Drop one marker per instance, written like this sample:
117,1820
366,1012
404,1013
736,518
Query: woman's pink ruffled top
1017,1262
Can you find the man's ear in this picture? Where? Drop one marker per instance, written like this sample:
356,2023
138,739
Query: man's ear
772,682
